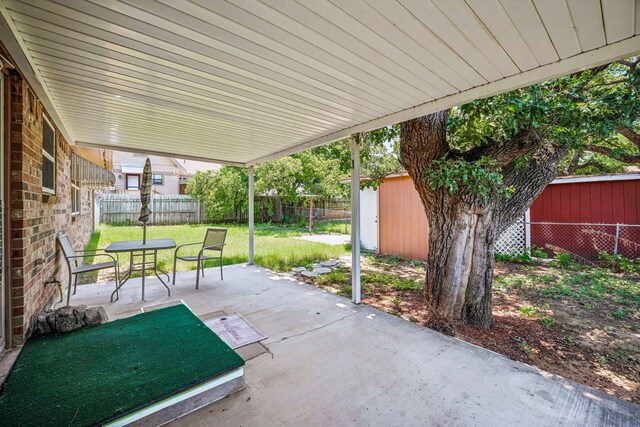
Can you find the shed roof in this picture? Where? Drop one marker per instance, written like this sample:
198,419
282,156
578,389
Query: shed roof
244,81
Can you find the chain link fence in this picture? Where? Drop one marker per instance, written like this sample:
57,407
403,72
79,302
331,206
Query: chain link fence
578,239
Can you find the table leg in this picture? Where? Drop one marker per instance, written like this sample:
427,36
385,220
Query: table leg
144,261
155,270
125,277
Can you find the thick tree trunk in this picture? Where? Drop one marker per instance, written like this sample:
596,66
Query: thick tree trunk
463,226
276,204
460,262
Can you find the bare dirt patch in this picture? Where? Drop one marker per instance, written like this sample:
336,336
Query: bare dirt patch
582,323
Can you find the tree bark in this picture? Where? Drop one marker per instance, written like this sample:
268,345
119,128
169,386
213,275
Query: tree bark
463,227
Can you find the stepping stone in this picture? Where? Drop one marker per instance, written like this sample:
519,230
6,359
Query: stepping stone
322,270
310,273
328,263
298,269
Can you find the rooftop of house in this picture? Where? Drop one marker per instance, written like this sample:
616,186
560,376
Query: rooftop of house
133,163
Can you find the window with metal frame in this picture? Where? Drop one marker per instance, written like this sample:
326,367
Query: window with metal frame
157,179
48,157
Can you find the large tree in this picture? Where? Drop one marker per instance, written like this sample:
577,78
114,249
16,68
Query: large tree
478,167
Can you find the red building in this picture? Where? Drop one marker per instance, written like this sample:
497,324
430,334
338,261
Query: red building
580,215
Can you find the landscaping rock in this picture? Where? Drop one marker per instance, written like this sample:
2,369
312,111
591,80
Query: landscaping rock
328,263
310,273
95,316
70,318
66,319
42,326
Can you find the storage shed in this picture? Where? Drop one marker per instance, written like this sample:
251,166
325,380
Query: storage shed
581,215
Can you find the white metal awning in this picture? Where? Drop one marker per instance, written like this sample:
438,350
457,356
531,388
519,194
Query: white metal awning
244,81
133,169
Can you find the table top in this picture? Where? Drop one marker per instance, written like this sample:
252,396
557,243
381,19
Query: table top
137,245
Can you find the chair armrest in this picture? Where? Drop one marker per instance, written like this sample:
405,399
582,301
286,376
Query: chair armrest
211,248
92,255
186,244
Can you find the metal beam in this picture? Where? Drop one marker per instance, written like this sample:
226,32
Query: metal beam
355,219
251,225
150,152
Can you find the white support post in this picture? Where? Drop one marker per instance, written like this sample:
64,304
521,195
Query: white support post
251,226
527,232
355,220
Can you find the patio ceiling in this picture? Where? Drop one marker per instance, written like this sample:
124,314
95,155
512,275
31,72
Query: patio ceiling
245,81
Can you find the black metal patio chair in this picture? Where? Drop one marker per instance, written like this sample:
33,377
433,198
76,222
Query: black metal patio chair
71,255
213,242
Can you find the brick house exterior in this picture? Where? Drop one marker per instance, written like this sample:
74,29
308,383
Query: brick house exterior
34,217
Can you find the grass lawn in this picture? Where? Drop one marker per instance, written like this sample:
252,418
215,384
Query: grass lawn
275,247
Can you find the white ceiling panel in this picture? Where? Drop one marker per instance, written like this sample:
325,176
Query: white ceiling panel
245,81
619,19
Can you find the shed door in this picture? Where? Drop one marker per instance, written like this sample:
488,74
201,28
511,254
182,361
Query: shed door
369,218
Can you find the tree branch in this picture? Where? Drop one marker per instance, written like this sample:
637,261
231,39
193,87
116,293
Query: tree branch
522,144
622,157
573,164
630,135
611,83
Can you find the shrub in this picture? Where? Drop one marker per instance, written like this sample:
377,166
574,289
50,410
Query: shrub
619,263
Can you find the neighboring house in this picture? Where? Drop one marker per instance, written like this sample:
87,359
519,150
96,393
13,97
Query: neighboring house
47,188
170,175
393,221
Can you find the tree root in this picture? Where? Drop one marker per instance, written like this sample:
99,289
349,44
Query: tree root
441,325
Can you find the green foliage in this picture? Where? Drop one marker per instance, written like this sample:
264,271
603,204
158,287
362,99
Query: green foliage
481,177
564,260
345,291
619,314
385,282
397,305
224,192
619,263
575,110
520,259
535,312
539,253
336,277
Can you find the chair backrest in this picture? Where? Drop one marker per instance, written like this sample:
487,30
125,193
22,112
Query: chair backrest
215,237
65,245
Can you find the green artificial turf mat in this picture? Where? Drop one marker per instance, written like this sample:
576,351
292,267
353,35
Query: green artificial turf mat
92,375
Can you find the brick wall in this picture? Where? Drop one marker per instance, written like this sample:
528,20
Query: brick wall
36,218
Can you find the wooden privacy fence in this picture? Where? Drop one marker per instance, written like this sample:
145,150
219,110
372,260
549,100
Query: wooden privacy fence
121,209
124,209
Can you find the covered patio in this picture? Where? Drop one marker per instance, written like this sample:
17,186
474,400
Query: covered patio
243,82
329,362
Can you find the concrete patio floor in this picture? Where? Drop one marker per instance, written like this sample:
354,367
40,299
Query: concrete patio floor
330,362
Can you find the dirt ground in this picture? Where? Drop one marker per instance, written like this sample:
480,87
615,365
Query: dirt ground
577,322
